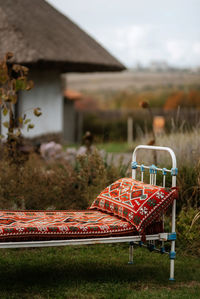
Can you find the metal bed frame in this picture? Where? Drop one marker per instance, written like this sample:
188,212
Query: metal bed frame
131,239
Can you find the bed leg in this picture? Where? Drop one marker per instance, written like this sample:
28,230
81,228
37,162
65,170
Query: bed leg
130,253
172,256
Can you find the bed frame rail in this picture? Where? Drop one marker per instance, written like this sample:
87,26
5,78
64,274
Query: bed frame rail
79,242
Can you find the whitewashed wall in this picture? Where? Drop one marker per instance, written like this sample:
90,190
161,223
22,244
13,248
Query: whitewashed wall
47,95
3,129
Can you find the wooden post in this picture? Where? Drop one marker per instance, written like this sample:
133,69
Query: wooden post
130,130
79,126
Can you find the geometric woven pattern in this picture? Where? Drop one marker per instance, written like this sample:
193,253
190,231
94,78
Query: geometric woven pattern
137,202
51,225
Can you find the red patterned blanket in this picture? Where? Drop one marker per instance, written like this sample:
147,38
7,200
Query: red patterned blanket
51,225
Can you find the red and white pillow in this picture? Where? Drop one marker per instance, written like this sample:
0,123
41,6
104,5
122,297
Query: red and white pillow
137,202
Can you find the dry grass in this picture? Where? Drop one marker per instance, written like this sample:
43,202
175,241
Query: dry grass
186,146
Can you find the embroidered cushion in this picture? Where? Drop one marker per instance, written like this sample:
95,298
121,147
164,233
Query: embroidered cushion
137,202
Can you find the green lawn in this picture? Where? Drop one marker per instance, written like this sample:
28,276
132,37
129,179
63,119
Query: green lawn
115,147
95,271
110,147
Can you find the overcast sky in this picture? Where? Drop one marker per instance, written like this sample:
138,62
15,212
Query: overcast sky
141,31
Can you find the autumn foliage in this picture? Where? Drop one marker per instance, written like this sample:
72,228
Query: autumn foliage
190,99
167,97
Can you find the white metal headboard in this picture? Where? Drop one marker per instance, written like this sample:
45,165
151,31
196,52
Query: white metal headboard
153,169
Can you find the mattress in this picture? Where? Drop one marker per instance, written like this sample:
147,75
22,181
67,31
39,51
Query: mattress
53,225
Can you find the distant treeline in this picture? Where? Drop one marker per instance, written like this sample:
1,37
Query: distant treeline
165,97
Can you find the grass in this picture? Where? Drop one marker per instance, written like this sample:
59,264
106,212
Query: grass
115,147
95,271
109,147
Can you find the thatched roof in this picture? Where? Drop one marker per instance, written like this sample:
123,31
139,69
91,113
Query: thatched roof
40,35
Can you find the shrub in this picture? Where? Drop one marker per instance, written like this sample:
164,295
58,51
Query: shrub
56,185
14,79
188,235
